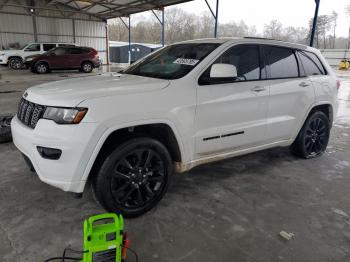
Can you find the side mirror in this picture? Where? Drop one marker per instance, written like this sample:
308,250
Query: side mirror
223,71
52,54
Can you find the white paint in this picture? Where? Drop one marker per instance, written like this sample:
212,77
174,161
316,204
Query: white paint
183,61
268,118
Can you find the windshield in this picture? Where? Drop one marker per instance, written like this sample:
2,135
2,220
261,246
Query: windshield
173,61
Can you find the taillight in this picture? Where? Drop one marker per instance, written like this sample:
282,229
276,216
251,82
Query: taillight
338,85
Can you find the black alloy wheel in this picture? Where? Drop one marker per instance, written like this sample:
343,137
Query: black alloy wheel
134,178
313,138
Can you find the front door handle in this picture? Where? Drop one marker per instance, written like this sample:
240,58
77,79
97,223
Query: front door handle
258,89
304,84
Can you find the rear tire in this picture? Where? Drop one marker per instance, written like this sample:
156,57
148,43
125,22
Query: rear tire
86,67
15,63
313,137
134,177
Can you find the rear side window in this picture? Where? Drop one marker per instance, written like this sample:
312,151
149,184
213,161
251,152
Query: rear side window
282,62
311,64
86,50
48,47
75,51
246,60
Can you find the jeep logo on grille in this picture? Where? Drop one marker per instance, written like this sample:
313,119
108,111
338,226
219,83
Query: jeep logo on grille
25,94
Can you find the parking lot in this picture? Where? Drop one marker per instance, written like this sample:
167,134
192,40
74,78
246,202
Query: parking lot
232,210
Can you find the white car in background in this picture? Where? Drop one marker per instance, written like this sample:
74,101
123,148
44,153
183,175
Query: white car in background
184,105
15,58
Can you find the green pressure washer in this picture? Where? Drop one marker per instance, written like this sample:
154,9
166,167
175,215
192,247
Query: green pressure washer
104,240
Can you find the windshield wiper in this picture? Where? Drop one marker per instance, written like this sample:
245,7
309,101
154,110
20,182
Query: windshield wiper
152,75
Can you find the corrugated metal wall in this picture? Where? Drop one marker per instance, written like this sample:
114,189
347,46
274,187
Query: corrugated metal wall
18,27
15,29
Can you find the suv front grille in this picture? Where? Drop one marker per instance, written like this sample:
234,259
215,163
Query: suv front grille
29,113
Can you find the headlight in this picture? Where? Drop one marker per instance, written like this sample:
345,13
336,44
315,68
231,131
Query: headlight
65,115
29,59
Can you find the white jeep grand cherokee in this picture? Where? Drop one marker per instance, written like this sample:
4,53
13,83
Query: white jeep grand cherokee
186,104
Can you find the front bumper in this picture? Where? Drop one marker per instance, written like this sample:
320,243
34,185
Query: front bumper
28,64
3,61
77,143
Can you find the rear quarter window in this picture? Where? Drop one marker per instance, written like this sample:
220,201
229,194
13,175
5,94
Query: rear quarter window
86,50
311,63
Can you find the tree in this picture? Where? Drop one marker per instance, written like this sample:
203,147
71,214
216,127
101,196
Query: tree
117,30
334,19
322,27
181,25
324,23
273,30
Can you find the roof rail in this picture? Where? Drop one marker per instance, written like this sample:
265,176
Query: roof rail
261,38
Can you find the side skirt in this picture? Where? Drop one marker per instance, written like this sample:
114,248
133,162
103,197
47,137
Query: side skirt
183,167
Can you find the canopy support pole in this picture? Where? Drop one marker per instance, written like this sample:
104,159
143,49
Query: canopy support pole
128,26
215,16
161,22
314,23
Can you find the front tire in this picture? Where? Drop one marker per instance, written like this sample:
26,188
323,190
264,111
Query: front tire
41,68
313,138
134,177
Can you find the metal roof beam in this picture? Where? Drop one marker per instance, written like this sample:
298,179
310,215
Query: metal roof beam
314,23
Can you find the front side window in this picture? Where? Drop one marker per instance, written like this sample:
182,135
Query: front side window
48,47
311,64
282,62
32,47
172,62
246,60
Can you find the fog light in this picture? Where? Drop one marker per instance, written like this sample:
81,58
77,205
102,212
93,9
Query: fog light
49,153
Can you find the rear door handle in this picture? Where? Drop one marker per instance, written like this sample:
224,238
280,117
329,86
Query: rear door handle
258,89
304,84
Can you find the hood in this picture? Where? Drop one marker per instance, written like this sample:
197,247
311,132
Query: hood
71,92
10,52
34,56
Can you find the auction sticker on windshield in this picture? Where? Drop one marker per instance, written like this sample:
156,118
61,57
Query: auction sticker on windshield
184,61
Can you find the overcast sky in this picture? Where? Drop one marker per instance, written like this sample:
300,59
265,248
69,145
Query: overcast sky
260,12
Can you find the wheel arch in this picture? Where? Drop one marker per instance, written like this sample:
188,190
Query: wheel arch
325,107
42,61
162,131
14,56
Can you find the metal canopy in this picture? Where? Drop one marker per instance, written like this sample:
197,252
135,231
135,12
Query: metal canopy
107,9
